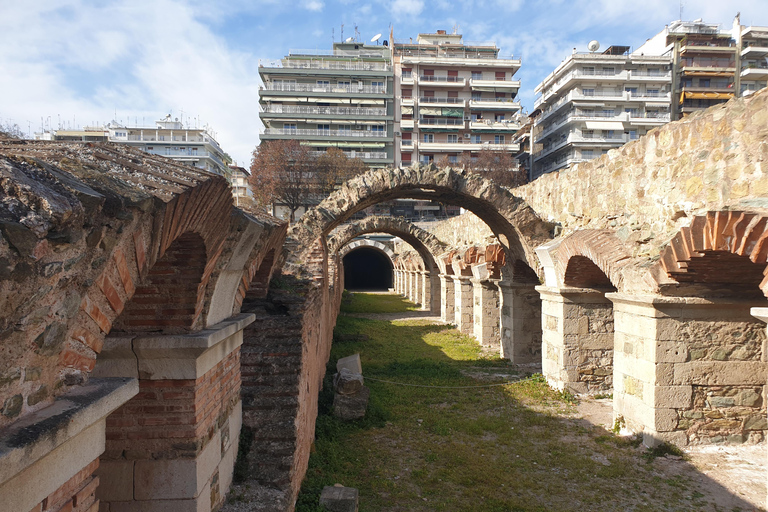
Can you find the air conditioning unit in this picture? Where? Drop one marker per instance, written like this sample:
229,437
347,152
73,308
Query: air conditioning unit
467,118
466,135
397,134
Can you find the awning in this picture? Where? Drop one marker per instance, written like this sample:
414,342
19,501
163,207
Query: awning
605,125
343,144
453,112
706,95
650,104
430,111
406,110
708,73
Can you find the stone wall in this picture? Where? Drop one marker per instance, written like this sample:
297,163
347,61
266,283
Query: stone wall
461,231
647,189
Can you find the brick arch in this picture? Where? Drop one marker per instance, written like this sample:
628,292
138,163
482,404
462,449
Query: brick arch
516,225
722,252
351,246
197,216
589,258
424,242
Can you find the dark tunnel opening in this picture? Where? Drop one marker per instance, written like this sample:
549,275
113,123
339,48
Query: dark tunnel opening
366,268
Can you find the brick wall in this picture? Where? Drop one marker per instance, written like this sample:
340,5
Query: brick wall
76,495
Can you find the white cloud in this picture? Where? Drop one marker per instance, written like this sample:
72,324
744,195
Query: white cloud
405,8
313,5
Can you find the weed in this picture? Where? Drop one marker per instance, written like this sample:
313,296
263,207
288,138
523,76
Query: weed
662,450
618,424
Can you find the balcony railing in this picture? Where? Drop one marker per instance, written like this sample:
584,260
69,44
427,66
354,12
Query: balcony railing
433,99
325,133
360,89
448,121
365,155
443,79
340,111
325,64
406,143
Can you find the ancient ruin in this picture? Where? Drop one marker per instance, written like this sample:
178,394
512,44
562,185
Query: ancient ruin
147,323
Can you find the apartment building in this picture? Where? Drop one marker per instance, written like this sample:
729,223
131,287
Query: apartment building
454,98
168,137
752,43
241,188
595,101
340,98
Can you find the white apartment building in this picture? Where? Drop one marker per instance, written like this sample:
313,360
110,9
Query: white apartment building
593,102
453,98
753,57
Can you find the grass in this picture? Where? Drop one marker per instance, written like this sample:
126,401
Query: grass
375,303
504,448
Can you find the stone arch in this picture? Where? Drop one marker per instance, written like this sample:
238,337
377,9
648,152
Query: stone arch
424,242
720,253
589,258
516,225
351,246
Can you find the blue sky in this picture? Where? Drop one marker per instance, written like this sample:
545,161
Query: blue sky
80,62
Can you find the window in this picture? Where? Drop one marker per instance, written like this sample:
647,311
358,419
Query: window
379,85
588,92
476,96
587,154
631,90
324,127
654,93
453,138
425,159
499,117
631,111
344,129
588,70
289,127
588,134
654,72
476,139
427,137
609,134
477,75
501,75
407,73
453,159
323,83
632,134
407,93
609,71
608,112
474,117
344,83
378,128
703,82
498,139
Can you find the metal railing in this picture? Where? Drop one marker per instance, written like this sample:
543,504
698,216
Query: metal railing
446,79
325,64
435,99
449,121
290,87
365,155
342,111
326,133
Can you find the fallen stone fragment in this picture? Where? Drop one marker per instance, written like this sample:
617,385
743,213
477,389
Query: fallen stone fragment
351,407
347,382
339,499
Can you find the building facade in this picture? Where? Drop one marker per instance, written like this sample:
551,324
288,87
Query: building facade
752,43
594,102
341,98
453,99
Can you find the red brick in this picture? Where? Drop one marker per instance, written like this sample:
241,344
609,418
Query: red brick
110,292
71,359
86,492
96,314
87,338
125,273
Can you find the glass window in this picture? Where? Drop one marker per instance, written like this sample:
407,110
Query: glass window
453,159
289,127
378,128
476,139
476,96
425,159
477,75
498,139
427,137
323,83
453,138
587,92
324,127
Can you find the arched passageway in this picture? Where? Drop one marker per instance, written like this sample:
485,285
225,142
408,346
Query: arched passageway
367,268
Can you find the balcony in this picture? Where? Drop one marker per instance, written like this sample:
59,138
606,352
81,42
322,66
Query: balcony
406,124
759,72
493,85
406,79
407,102
437,101
321,63
755,51
365,155
645,76
406,145
443,56
445,123
322,111
494,104
314,88
494,126
459,146
305,132
443,81
576,138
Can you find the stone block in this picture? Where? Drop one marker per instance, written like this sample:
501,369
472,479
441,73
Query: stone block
671,352
596,342
351,363
676,397
346,382
115,480
351,407
339,499
716,373
665,420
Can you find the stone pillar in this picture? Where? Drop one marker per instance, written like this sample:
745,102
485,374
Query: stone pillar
689,370
407,284
412,286
416,284
577,339
435,292
447,297
485,308
762,315
425,288
520,322
397,280
462,304
173,446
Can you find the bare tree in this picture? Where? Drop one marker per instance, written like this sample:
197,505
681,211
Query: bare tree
496,165
282,171
334,167
11,130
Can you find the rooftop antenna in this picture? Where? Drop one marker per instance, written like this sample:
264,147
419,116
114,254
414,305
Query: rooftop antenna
342,31
357,33
593,45
333,35
375,39
456,29
681,10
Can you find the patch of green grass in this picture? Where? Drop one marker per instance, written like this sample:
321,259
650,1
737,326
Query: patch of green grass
507,447
375,303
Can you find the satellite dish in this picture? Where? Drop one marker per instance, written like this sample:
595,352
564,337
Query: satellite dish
349,39
593,46
375,39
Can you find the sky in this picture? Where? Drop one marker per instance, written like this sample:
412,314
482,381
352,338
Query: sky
71,63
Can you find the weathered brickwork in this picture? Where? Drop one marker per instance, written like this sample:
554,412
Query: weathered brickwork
77,495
